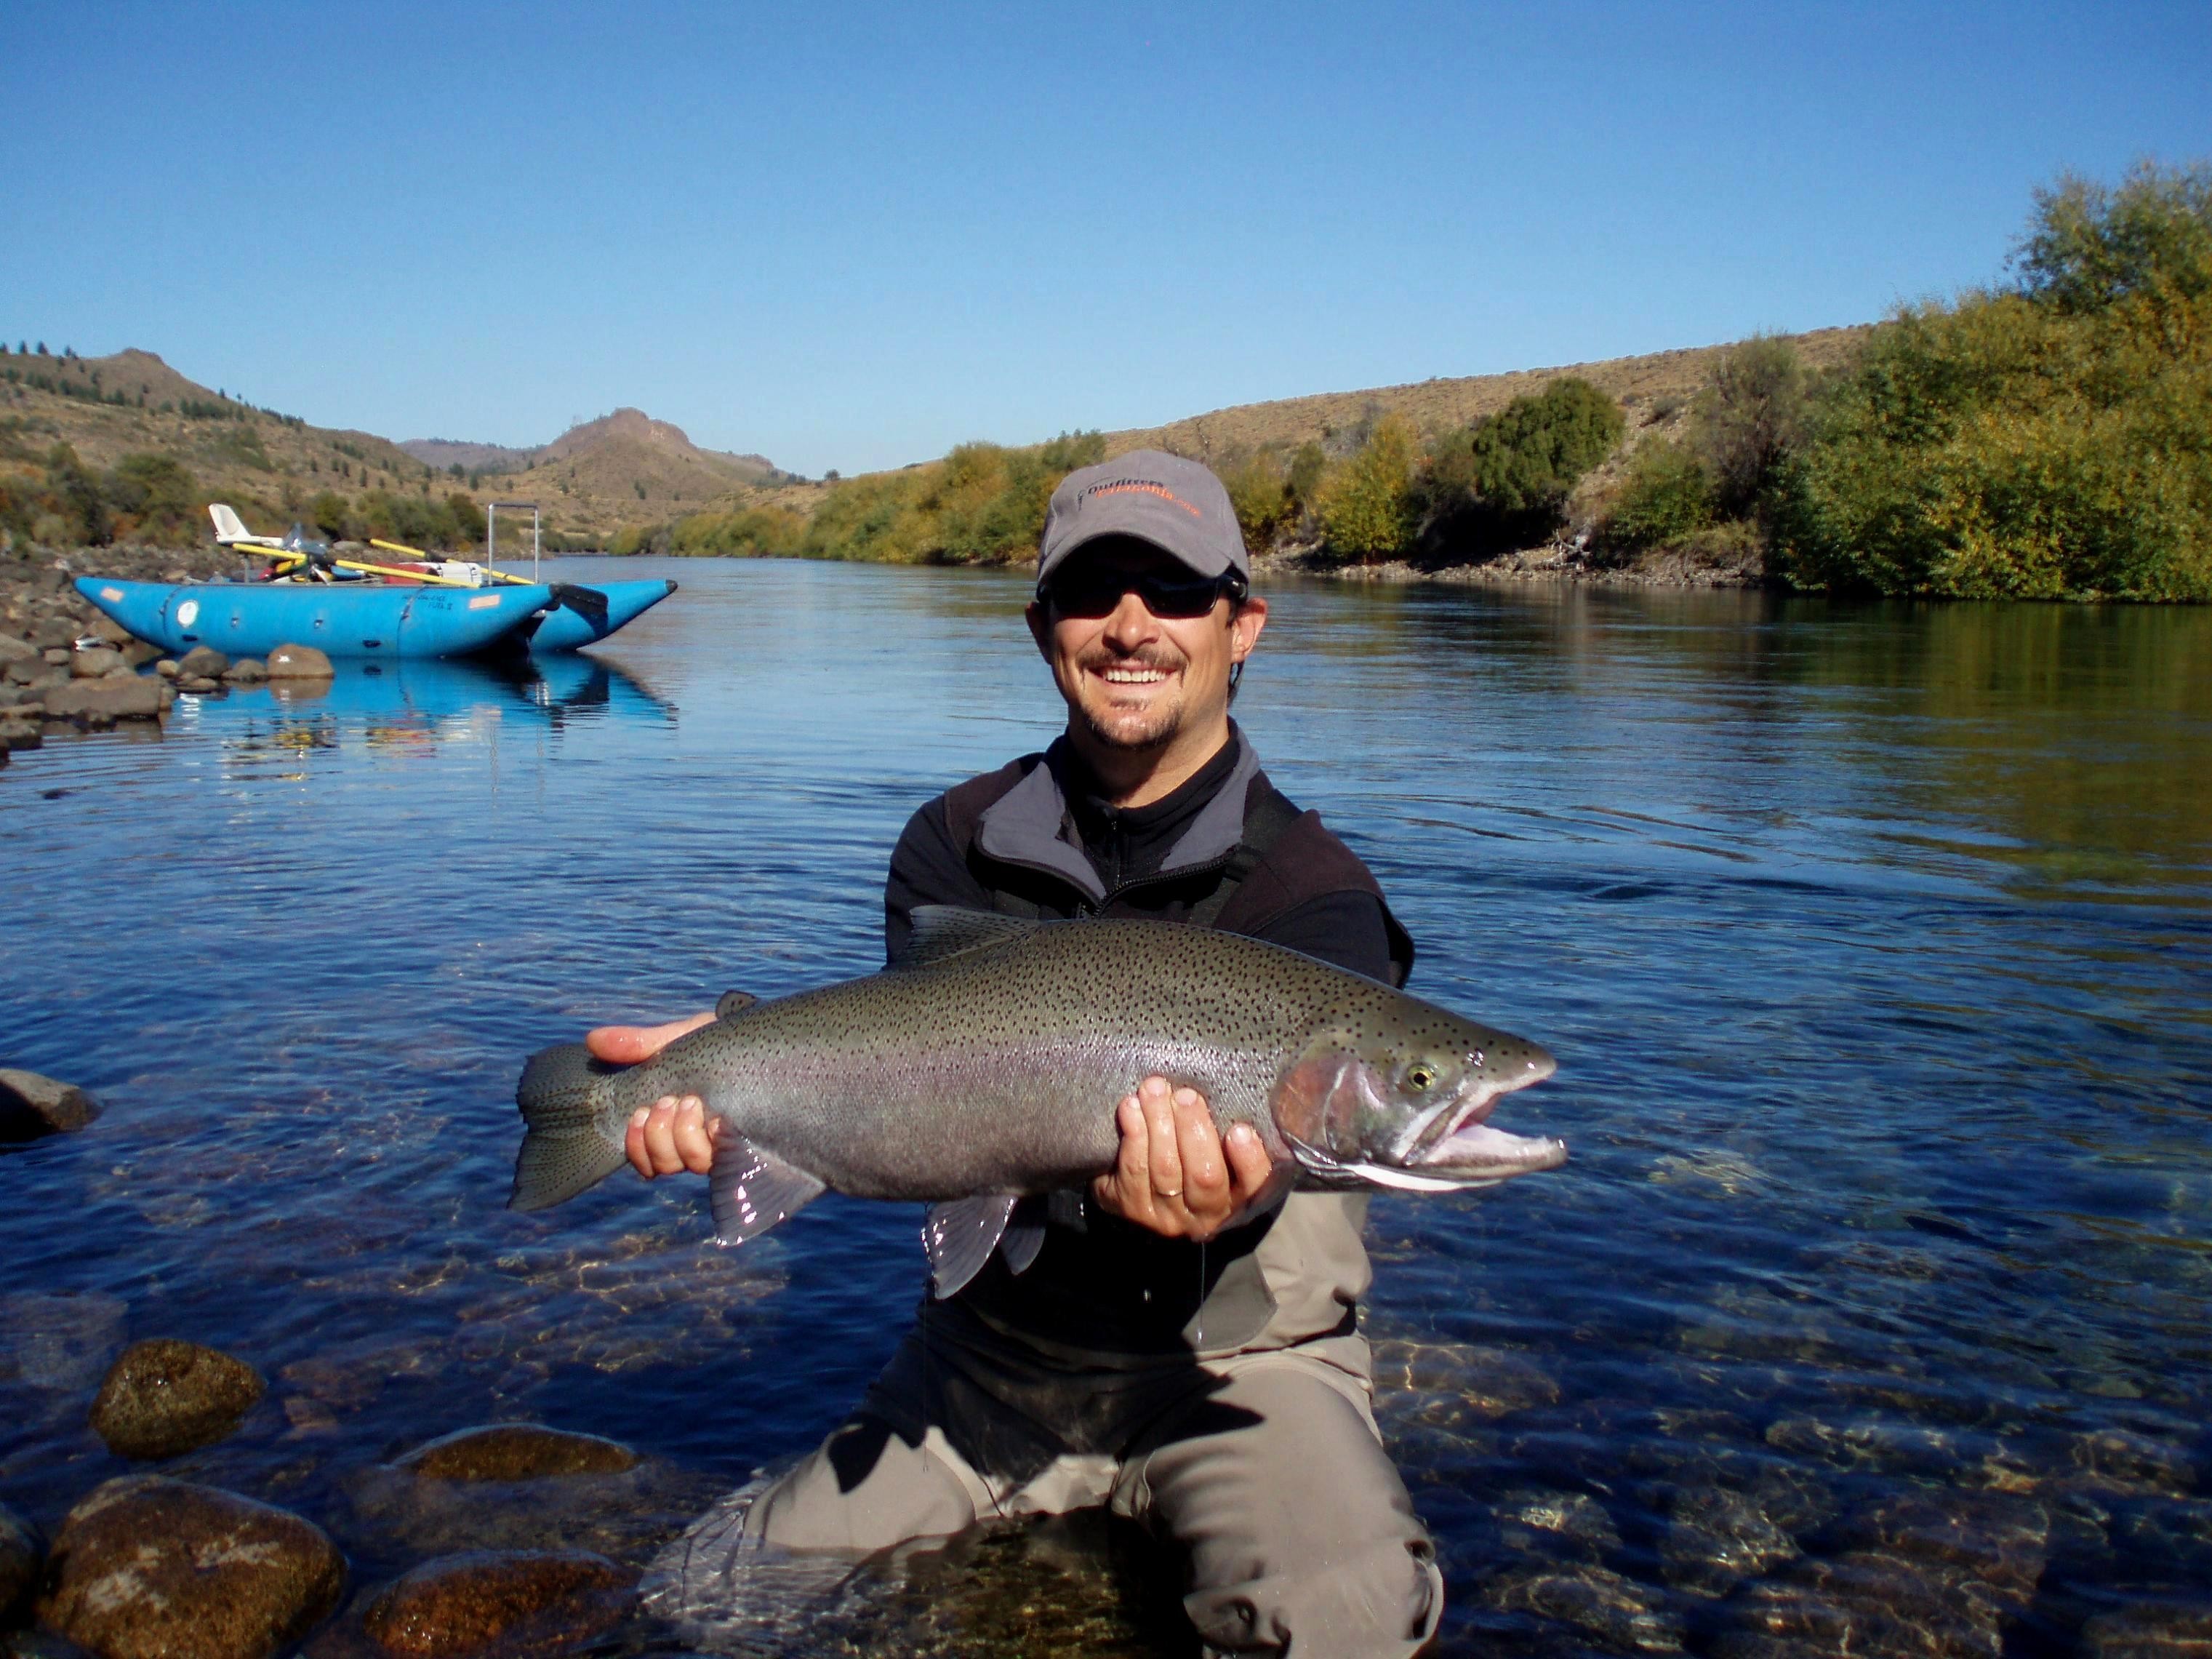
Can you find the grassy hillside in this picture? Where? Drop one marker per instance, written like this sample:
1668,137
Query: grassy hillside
1650,387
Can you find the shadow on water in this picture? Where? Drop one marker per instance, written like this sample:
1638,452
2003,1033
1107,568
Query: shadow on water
1872,939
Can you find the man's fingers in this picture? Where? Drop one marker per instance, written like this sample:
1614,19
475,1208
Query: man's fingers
1163,1149
1129,1184
669,1135
1197,1148
694,1143
1250,1168
626,1045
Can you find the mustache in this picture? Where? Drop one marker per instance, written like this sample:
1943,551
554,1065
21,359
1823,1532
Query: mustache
1164,658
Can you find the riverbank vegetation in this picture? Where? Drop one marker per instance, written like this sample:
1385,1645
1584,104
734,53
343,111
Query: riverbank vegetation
2051,438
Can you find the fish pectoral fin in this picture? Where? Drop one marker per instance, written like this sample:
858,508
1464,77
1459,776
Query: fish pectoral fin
1024,1234
959,1236
733,1003
946,930
749,1190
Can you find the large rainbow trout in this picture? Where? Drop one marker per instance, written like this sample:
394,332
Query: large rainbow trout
985,1064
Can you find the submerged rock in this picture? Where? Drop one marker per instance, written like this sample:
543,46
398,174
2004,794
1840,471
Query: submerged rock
202,662
247,670
1716,1538
2162,1629
147,1568
31,1105
517,1451
58,1342
522,1599
299,662
164,1396
1937,1574
21,1554
1619,1612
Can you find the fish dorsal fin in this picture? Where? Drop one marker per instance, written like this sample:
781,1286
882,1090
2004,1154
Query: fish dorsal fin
733,1003
751,1190
946,930
958,1238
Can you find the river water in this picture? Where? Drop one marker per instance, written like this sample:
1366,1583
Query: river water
1871,1310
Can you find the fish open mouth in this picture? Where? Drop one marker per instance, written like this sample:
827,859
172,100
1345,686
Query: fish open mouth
1461,1148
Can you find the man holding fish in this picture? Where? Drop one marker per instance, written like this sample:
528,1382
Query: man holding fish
1179,1338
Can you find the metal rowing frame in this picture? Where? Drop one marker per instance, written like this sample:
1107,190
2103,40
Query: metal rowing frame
491,532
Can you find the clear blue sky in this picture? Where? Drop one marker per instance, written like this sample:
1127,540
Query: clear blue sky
852,236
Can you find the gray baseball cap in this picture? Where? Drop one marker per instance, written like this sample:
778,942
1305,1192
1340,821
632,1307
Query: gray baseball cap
1178,505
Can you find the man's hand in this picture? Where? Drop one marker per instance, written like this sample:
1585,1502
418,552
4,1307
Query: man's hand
672,1133
1177,1174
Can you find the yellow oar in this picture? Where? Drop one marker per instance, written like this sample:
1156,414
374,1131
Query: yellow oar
417,553
422,576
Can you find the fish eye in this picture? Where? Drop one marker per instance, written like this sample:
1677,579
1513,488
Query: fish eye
1420,1076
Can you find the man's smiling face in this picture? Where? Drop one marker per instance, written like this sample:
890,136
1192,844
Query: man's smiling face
1136,682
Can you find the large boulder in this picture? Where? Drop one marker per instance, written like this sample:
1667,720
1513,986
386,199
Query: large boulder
31,1105
90,665
522,1599
163,1396
517,1451
21,1554
202,662
299,662
98,702
146,1568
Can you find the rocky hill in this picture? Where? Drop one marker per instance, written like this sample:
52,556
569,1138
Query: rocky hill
589,481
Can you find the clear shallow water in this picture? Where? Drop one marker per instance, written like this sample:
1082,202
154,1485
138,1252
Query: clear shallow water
1874,942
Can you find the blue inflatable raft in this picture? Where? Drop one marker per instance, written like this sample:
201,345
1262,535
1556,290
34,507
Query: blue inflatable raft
371,619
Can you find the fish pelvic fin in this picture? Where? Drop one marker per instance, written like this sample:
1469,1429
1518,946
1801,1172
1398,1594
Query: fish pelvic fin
565,1148
751,1190
958,1238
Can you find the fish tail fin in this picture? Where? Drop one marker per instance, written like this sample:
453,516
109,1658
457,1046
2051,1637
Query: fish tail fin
565,1144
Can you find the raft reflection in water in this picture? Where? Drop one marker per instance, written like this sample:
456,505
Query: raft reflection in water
430,701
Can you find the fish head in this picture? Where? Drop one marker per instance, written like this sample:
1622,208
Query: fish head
1390,1091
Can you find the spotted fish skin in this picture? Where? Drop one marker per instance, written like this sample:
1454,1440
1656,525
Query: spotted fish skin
990,1061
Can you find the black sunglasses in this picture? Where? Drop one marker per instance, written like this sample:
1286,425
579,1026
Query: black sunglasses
1097,592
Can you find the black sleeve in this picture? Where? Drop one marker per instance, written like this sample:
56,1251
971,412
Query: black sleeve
926,868
1345,929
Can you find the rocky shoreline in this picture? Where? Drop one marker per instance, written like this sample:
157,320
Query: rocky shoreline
65,668
1573,562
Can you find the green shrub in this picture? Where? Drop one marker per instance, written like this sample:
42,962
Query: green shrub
1262,498
1666,496
1749,418
156,499
1503,482
467,517
2051,442
982,504
1302,478
1366,505
328,512
75,498
751,533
